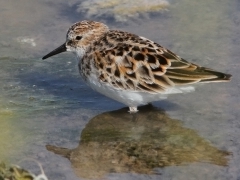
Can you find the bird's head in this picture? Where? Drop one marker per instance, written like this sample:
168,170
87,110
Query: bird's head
79,37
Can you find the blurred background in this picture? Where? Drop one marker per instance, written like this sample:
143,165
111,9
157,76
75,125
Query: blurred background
49,114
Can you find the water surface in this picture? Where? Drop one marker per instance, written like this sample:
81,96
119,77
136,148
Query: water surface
49,114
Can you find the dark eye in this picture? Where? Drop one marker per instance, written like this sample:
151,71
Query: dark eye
78,38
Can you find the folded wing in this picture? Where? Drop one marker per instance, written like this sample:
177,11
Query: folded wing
149,67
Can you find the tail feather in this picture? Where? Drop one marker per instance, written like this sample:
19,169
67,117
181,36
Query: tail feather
220,77
197,74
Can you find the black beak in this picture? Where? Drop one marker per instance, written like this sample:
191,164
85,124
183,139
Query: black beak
60,49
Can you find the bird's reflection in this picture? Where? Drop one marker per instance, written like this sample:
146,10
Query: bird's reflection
121,142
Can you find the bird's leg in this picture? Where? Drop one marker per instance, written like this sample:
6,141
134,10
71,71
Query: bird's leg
133,109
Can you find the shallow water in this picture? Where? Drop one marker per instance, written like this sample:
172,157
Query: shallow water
48,113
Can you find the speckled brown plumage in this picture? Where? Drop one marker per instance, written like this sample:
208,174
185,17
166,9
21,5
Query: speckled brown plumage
127,61
132,66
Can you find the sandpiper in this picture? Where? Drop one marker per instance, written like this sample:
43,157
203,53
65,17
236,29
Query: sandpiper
129,68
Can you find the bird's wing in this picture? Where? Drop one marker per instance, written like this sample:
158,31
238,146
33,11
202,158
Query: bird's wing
148,67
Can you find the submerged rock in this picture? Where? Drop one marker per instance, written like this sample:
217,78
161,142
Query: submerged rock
121,10
14,172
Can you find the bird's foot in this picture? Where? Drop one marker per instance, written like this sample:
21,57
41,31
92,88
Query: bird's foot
133,109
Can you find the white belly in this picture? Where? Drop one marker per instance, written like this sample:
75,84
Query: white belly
132,98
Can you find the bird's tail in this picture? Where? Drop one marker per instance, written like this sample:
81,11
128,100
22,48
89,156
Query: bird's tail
219,76
194,73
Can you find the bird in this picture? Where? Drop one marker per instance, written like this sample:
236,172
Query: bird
131,69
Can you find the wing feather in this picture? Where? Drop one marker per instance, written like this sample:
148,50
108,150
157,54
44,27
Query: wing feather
147,66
